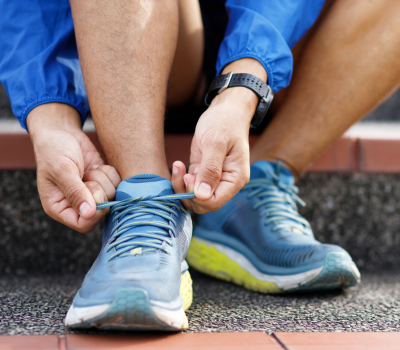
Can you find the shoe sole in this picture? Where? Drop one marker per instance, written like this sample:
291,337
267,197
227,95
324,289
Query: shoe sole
222,262
132,310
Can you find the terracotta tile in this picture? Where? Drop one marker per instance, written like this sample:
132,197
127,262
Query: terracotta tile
379,156
340,339
340,157
343,347
16,151
31,342
210,341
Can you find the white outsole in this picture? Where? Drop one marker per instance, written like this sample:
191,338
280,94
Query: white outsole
77,315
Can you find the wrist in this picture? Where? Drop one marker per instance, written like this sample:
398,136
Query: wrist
53,116
242,98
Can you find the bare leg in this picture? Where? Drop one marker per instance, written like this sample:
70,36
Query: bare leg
126,49
349,65
188,61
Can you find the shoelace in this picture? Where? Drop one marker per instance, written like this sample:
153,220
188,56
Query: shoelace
277,211
126,210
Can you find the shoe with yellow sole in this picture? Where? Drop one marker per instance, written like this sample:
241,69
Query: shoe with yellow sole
260,241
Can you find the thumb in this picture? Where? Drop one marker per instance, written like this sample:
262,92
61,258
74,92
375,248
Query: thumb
76,193
210,171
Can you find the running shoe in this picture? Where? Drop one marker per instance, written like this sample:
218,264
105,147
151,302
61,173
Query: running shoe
260,241
140,280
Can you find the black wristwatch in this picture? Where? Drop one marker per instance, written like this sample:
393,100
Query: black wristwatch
261,89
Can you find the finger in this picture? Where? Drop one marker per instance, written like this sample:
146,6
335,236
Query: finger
178,171
178,182
230,184
78,195
70,217
210,170
194,169
103,180
111,173
97,191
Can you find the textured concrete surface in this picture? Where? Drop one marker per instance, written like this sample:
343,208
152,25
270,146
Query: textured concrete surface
359,212
37,305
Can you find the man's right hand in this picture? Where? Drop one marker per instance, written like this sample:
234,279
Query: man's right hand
71,174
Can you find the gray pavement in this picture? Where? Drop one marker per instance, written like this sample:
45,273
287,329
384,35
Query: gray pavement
37,305
359,212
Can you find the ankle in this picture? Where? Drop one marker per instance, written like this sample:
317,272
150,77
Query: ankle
287,165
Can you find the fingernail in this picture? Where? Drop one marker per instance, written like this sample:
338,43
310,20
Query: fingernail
204,189
175,170
94,167
196,170
84,209
184,180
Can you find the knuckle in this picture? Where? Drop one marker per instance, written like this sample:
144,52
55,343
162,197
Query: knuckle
107,169
94,187
62,167
90,175
73,193
216,143
111,173
212,171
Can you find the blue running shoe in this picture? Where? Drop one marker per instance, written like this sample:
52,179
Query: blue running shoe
260,241
140,280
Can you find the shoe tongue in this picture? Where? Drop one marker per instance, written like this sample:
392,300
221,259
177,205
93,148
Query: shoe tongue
143,186
266,170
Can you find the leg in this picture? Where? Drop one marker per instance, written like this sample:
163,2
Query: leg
126,51
343,72
186,68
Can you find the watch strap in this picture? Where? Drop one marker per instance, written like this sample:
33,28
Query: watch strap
222,82
258,86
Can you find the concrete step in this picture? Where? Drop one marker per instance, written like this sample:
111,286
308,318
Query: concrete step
359,212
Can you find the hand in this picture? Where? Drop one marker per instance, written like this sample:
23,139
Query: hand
219,159
71,174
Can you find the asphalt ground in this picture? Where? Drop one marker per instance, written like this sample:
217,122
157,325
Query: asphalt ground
37,305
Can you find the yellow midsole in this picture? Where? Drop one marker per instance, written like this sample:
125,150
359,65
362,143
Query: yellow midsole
186,290
208,259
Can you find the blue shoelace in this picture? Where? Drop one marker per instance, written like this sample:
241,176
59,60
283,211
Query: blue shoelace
279,201
128,213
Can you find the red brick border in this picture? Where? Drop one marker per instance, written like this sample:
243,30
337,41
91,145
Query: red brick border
210,341
346,155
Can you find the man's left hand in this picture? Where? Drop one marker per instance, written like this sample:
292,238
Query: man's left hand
219,159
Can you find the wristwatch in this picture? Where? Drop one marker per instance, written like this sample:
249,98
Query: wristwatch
261,89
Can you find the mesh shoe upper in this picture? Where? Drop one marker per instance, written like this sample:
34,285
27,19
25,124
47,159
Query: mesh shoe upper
145,240
263,223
